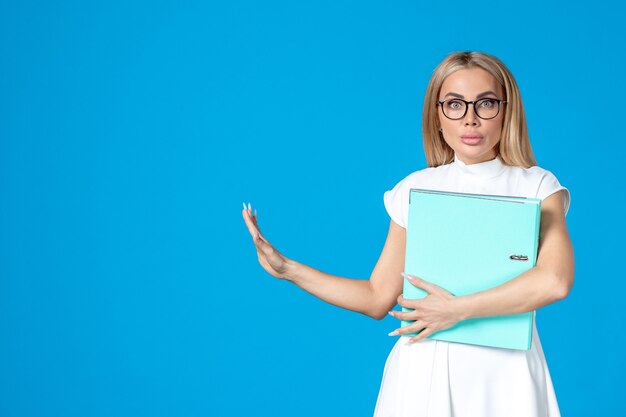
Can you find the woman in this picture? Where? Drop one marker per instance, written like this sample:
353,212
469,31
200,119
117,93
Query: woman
476,141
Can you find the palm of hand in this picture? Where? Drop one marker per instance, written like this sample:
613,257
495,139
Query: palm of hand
269,257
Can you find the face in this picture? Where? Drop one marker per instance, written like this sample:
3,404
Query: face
472,138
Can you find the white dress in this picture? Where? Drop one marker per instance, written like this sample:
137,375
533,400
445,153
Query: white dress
443,379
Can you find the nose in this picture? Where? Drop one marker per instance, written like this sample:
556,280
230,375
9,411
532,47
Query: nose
470,117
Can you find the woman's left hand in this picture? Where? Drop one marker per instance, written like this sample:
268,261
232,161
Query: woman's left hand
437,311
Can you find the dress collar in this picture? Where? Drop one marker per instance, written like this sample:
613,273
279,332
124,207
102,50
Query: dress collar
487,169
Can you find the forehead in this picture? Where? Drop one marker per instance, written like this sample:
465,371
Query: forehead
470,82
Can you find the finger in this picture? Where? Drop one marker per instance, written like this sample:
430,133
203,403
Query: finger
263,245
415,327
262,238
258,239
246,208
423,335
252,227
258,242
251,220
254,218
407,303
421,283
252,214
404,315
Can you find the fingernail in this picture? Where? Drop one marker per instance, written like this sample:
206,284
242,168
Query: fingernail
244,206
249,206
391,313
254,212
394,333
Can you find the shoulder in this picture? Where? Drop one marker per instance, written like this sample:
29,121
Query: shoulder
540,183
533,173
396,199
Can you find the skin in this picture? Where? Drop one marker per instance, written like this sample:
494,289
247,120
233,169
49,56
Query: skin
468,84
549,281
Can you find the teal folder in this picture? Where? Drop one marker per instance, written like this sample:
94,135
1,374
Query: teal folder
468,243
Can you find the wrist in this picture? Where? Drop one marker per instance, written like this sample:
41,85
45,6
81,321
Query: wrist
291,270
462,307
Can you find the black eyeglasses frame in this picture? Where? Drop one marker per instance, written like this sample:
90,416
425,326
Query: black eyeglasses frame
467,103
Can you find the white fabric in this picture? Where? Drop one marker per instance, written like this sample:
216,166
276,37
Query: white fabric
442,379
491,177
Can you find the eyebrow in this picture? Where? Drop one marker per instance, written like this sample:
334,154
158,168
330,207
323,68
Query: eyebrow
486,93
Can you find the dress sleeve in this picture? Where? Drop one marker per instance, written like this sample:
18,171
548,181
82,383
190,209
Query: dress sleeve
397,202
549,185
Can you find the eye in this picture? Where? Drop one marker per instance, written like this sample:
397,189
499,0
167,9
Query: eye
454,104
488,103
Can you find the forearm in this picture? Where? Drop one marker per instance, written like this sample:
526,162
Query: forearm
351,294
529,291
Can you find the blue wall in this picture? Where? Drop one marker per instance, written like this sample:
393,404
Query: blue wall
131,133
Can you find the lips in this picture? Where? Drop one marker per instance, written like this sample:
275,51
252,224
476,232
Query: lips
472,136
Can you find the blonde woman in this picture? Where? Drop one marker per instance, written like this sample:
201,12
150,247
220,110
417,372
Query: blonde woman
476,141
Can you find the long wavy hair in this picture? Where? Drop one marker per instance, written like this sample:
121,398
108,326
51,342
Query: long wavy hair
514,145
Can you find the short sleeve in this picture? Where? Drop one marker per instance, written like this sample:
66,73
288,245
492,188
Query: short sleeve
396,202
549,185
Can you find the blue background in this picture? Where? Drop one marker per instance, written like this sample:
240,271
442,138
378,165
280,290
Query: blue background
131,133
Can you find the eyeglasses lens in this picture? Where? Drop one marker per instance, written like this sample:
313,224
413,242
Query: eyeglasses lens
486,108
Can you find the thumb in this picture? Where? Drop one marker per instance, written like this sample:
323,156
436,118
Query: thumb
259,237
263,245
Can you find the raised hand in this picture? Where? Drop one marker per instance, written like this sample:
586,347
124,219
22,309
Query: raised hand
270,259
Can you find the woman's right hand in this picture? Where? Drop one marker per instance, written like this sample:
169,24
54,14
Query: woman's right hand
270,259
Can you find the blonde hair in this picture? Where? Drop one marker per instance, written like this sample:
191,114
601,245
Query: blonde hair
514,146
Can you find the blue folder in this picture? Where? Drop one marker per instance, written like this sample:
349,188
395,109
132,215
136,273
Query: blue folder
468,243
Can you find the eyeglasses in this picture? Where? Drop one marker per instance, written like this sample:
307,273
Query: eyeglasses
485,108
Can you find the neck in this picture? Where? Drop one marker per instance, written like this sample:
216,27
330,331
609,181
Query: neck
476,161
483,168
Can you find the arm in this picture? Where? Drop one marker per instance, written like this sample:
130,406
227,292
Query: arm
549,281
373,297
